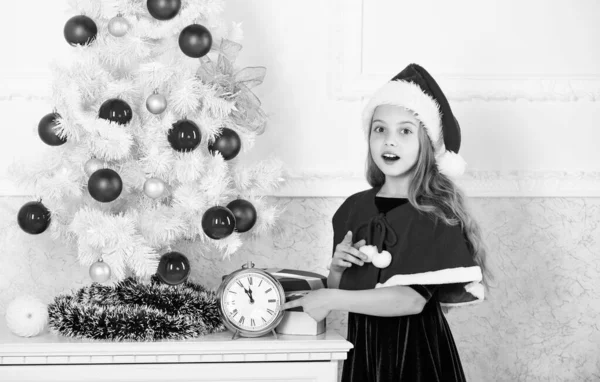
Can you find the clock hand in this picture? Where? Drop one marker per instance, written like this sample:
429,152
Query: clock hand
249,293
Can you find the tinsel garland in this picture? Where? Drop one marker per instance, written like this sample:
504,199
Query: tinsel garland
133,311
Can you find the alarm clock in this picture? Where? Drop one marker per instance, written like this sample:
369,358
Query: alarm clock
249,301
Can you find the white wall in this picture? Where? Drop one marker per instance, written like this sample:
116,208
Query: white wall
523,79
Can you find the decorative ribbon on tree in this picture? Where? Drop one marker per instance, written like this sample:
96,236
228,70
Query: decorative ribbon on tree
236,85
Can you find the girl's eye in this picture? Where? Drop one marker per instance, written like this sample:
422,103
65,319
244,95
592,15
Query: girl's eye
408,131
378,129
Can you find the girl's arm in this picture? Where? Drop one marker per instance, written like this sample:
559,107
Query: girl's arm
383,302
333,280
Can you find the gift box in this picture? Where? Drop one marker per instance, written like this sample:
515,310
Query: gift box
296,284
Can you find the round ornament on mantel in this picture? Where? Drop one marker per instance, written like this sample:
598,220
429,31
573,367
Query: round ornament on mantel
26,316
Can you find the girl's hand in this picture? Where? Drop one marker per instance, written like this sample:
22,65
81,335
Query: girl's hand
316,304
347,254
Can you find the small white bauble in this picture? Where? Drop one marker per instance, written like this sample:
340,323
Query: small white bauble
154,188
118,26
382,260
100,272
370,251
156,103
93,165
26,316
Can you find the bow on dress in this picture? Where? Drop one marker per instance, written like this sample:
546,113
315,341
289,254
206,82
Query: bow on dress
386,231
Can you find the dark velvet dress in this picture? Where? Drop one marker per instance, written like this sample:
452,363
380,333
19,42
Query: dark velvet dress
415,348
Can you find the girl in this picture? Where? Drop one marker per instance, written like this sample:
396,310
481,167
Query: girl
407,246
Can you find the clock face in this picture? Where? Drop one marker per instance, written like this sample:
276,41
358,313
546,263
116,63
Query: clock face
251,301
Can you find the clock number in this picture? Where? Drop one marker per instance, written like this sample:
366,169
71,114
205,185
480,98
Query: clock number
242,320
235,312
252,322
272,300
260,282
270,311
250,280
240,284
265,321
268,290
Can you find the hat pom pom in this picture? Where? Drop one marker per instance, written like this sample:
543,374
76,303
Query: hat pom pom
451,164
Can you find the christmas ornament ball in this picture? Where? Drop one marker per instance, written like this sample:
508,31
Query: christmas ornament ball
228,143
184,135
154,188
26,316
33,218
80,30
173,268
100,272
116,110
382,260
156,103
93,165
245,214
195,41
218,222
105,185
118,26
47,131
163,9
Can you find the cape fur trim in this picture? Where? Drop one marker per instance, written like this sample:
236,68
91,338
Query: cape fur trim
132,311
444,276
459,304
475,289
409,96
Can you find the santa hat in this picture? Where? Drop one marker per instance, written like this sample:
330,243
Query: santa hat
416,90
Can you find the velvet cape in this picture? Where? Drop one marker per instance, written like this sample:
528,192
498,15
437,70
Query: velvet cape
424,252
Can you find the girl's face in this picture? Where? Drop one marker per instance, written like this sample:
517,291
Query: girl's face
394,140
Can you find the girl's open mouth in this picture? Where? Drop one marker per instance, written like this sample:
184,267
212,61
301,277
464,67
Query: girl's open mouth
390,158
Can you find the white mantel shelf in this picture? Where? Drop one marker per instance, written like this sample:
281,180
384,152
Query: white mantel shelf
219,347
214,357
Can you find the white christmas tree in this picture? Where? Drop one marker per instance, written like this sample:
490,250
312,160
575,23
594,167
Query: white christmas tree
148,121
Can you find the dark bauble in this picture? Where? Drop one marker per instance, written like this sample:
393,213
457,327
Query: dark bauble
195,40
245,214
173,268
184,135
105,185
218,222
80,30
116,110
33,218
163,9
47,132
228,144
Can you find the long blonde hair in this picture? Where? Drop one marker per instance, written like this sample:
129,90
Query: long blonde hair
435,194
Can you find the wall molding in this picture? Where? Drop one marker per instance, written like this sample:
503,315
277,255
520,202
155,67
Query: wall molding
475,184
479,184
350,83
